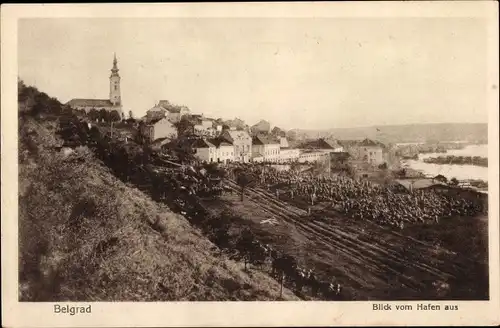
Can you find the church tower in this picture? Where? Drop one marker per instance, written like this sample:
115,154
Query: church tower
114,85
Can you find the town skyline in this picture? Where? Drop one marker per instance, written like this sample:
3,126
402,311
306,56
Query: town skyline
288,72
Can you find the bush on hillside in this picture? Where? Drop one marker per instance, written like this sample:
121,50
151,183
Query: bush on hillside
85,236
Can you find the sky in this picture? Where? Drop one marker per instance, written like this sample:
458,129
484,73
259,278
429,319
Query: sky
311,73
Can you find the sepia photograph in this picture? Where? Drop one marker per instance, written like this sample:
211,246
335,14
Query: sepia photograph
208,159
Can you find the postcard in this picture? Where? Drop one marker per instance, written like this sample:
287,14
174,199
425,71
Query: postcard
250,164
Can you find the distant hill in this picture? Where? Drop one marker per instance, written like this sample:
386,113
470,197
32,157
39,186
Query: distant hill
471,132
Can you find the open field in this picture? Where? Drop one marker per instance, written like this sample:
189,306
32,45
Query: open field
372,262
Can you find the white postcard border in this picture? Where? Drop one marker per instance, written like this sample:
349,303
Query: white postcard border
16,314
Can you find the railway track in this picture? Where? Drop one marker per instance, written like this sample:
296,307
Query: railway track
378,259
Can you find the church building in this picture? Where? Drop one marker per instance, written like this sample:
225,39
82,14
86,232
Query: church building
113,103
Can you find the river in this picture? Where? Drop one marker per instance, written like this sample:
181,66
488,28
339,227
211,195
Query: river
461,172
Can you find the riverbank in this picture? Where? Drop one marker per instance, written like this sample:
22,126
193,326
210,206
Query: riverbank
458,160
458,171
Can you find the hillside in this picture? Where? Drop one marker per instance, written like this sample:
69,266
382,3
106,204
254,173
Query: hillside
472,132
86,235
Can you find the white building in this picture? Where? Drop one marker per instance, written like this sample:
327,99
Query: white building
266,147
289,155
203,131
156,112
370,151
224,152
205,151
165,109
313,156
158,128
283,142
213,150
242,144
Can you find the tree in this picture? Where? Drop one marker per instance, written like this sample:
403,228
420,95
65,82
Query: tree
454,181
245,244
244,180
220,228
104,115
139,137
93,114
441,178
114,116
184,127
214,170
182,149
131,121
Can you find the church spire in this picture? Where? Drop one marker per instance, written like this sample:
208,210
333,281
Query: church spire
114,84
114,70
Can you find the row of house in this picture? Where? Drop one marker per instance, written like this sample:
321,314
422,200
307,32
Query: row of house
213,150
159,123
157,117
239,146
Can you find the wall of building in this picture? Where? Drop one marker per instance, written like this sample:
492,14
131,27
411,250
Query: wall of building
225,153
173,117
205,154
89,108
272,152
372,155
164,129
257,151
289,155
204,131
242,143
284,142
269,152
155,113
313,156
206,124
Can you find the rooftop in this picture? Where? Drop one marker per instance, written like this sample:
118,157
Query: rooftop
154,120
419,183
340,155
264,140
201,143
370,143
320,144
237,134
90,102
217,142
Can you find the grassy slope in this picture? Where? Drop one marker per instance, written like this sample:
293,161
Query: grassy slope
85,235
